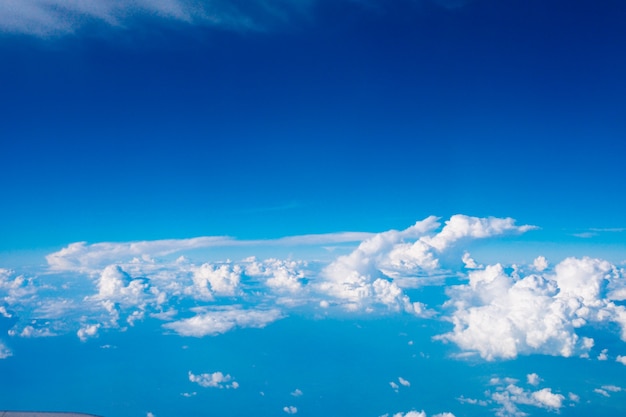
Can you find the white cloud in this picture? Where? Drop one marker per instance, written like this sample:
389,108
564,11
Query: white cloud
547,399
411,413
30,331
404,382
394,386
603,355
469,262
82,257
220,280
116,285
290,409
281,275
87,331
214,380
499,315
540,263
533,379
150,414
365,276
601,392
209,323
621,359
55,17
509,397
297,393
5,352
612,388
461,226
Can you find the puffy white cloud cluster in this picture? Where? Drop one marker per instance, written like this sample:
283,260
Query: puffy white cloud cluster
501,315
214,380
206,323
366,276
414,413
88,331
216,279
281,275
509,396
15,288
290,409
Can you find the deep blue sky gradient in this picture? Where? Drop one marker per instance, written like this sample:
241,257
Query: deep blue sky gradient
350,117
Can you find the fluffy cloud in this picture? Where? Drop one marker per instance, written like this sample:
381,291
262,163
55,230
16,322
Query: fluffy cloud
214,380
15,288
621,359
290,409
115,284
209,323
87,331
297,393
220,280
281,275
500,315
366,275
510,396
533,379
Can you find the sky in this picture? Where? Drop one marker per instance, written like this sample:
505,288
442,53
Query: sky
399,208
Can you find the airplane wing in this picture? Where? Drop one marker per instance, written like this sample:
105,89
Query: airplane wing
41,414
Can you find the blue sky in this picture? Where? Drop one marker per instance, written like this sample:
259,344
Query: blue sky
185,176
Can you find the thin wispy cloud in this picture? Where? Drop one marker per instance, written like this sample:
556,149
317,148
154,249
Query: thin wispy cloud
59,17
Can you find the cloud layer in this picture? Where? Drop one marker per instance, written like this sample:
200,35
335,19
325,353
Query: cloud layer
498,311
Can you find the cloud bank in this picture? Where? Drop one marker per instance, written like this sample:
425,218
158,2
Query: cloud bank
497,312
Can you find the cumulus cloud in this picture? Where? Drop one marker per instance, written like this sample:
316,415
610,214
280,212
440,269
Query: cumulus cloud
290,409
296,393
281,275
533,379
540,263
509,396
501,315
220,280
621,359
214,380
366,276
31,331
404,382
15,288
210,323
88,331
